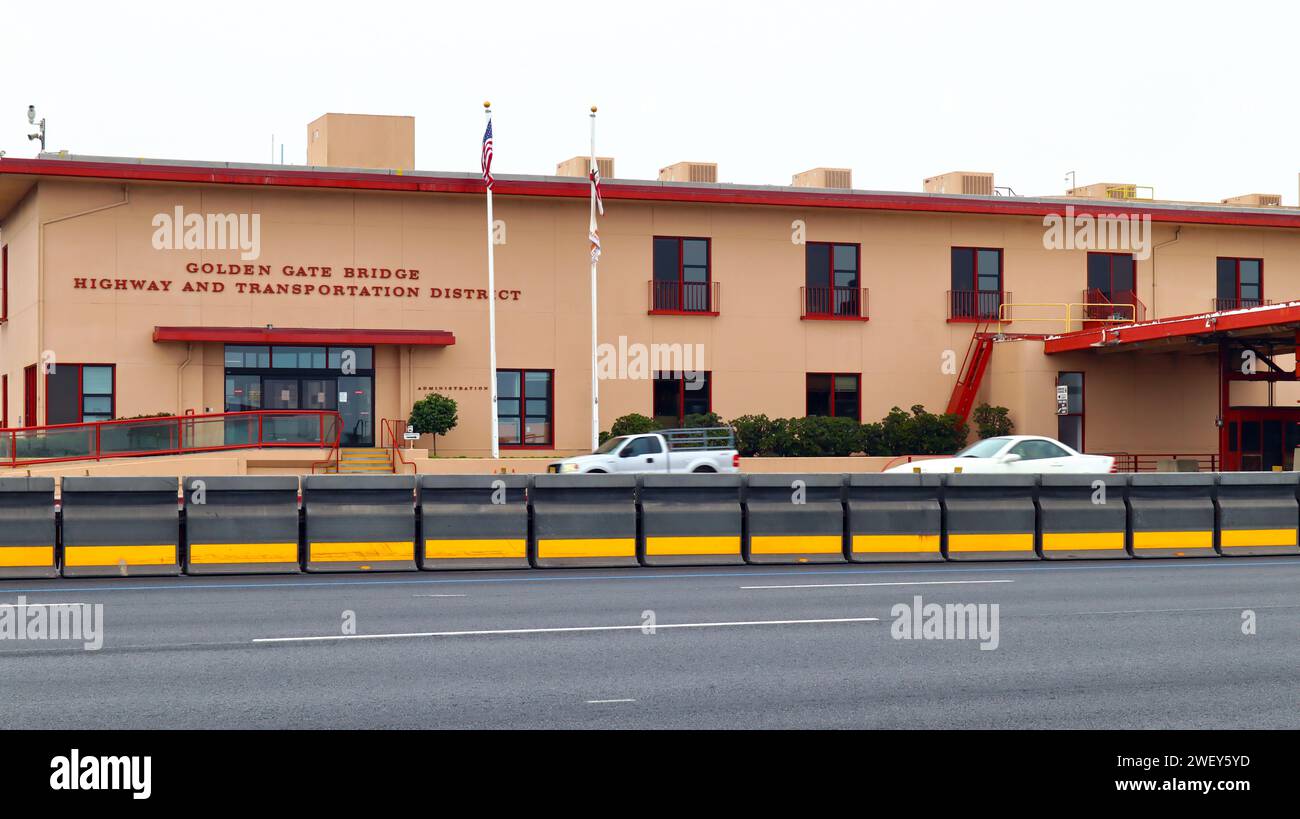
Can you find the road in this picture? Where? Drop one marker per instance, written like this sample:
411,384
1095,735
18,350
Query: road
1123,644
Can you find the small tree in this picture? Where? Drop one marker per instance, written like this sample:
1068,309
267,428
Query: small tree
435,415
991,422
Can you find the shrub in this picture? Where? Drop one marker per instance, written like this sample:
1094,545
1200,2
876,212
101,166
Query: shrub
990,422
435,415
822,436
703,419
633,424
751,434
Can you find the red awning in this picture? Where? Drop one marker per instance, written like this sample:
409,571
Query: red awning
1278,322
305,335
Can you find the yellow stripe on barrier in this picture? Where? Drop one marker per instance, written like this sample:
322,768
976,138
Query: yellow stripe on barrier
884,544
362,551
991,543
702,545
482,549
25,556
1082,541
1258,537
587,547
1173,540
159,555
795,544
205,553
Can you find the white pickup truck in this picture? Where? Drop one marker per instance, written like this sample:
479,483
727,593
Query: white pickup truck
707,449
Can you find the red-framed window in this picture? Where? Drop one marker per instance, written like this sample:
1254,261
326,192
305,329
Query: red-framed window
4,284
526,408
1239,283
80,393
976,293
1113,276
833,280
4,400
683,275
1070,410
837,395
677,395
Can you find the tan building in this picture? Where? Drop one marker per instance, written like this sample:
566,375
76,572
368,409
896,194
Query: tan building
177,287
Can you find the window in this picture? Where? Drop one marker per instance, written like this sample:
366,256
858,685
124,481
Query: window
4,284
1069,410
318,379
1240,283
976,293
649,445
679,395
1111,281
79,393
525,407
4,387
1037,450
834,394
682,279
831,280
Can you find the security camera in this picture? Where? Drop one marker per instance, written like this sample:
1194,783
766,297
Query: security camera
31,114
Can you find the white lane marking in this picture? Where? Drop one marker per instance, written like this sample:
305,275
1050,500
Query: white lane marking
439,595
606,702
856,585
1185,611
563,630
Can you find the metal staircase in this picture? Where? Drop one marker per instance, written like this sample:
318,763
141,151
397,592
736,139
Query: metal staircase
978,355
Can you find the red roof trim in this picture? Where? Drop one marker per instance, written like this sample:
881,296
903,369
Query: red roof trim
1178,327
613,190
304,335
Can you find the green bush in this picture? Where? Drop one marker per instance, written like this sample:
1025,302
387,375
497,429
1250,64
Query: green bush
435,415
633,424
752,432
703,419
990,422
819,436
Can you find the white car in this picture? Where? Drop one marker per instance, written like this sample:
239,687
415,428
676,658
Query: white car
1012,455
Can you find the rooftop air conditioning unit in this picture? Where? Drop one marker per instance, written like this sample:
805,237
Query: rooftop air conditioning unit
1255,200
824,178
703,172
581,166
968,183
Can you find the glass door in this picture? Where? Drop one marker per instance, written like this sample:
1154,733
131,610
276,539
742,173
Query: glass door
355,405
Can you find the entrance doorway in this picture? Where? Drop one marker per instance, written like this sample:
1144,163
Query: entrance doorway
305,378
1260,438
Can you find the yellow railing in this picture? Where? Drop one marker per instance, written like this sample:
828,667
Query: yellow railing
1130,192
1067,317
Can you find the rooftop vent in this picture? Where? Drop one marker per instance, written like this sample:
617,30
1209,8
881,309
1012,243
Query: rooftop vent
361,141
824,178
969,183
1113,190
581,166
690,172
1255,200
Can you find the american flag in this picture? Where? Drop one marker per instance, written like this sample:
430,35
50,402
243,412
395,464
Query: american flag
487,155
595,188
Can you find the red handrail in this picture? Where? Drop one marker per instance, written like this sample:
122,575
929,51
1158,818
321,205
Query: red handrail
388,427
172,425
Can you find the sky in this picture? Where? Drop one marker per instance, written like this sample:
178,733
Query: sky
1195,99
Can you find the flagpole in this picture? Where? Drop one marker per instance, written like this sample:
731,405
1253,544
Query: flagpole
595,381
492,316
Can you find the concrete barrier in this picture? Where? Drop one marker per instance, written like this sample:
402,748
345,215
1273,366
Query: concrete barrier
359,522
691,520
120,526
1083,516
584,520
794,518
990,517
474,521
895,518
241,525
1171,514
1258,513
27,528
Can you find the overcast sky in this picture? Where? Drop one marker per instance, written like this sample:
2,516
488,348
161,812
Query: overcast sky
1198,100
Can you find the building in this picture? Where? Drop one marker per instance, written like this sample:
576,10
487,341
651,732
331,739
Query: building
175,287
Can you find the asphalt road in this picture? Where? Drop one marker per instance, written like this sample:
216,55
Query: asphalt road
1123,644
